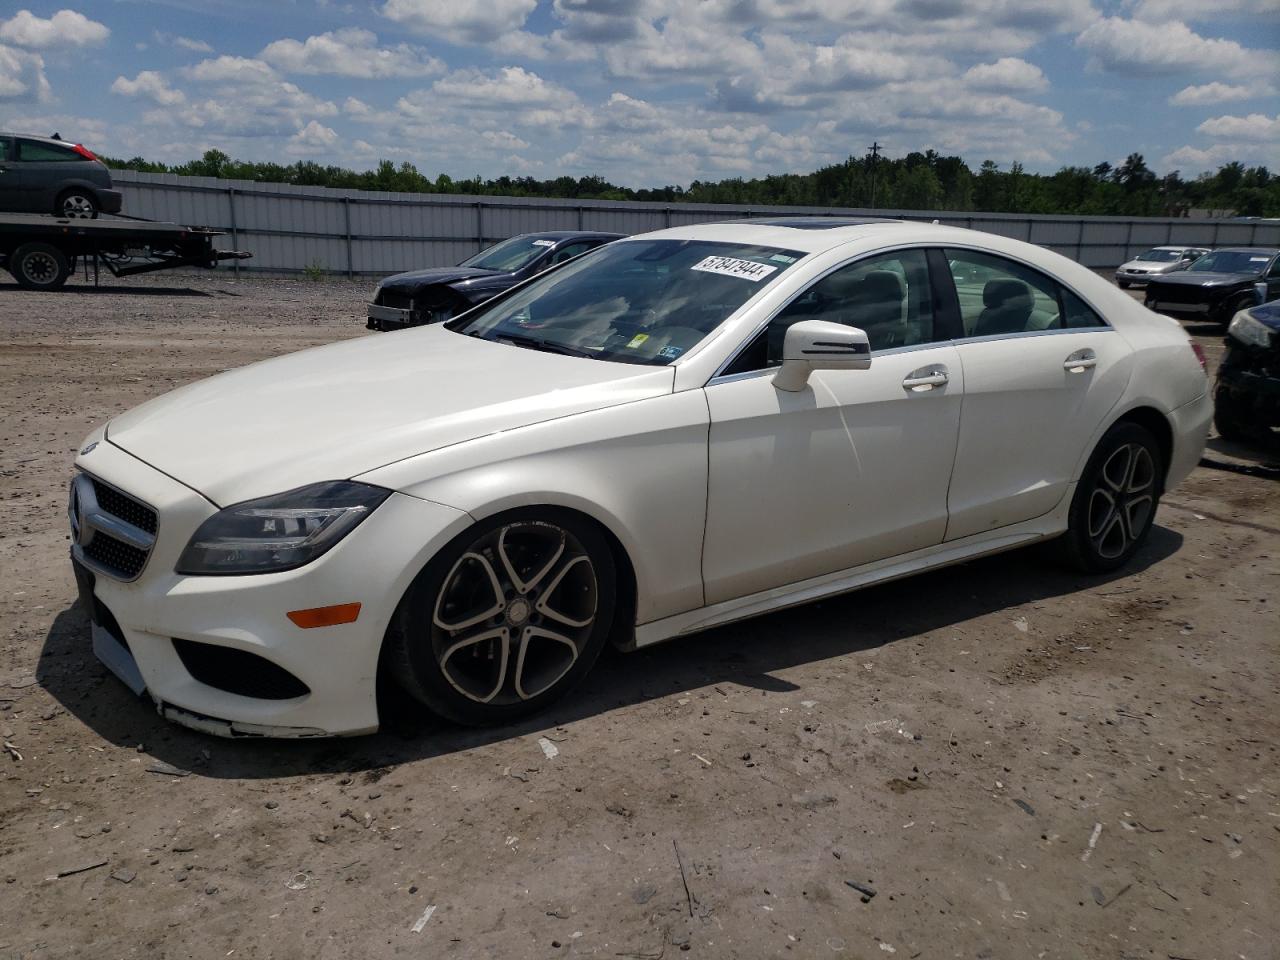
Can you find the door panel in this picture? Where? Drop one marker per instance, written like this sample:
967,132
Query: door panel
1031,404
853,468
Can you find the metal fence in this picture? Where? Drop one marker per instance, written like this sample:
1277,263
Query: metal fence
292,229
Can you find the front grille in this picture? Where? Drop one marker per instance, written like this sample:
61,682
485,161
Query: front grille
238,671
392,298
112,532
125,507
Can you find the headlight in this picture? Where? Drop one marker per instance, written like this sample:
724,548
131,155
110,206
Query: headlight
279,532
1248,330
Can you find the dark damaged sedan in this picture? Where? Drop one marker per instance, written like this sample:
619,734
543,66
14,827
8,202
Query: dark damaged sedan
1219,284
436,294
1246,400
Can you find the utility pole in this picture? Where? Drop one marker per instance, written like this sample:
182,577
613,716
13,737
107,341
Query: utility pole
875,154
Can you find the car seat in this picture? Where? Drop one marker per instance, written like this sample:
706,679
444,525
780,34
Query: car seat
1007,306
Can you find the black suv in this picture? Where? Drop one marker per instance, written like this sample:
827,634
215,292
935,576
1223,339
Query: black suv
49,175
1219,284
434,295
1247,398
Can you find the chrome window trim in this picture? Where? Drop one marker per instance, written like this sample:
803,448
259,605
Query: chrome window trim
720,377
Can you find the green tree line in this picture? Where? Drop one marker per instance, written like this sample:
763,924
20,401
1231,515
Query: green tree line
918,181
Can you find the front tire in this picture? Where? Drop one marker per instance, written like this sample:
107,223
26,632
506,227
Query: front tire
507,618
1115,503
1123,284
1227,417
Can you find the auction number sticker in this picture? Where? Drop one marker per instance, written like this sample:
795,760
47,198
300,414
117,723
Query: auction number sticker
732,267
544,243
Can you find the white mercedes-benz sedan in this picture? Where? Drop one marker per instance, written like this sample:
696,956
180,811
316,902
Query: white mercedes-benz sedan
673,431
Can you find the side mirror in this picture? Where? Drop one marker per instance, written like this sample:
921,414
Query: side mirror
1260,291
820,345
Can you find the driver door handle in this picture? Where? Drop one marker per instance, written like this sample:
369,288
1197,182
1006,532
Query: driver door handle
1080,361
926,378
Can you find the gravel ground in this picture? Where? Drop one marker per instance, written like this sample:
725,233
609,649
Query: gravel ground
1018,761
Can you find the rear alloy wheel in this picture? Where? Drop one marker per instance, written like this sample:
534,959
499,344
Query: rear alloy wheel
39,266
507,618
77,204
1115,502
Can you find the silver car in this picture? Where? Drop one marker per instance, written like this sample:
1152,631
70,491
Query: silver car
49,175
1157,262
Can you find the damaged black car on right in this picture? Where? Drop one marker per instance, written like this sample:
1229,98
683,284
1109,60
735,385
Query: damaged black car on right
1247,396
1218,285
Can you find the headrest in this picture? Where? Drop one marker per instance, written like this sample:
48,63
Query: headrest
998,292
882,285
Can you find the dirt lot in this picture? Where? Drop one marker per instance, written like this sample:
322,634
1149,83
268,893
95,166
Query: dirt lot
1019,762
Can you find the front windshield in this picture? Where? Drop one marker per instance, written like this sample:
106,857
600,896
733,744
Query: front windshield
635,301
1161,256
510,254
1231,261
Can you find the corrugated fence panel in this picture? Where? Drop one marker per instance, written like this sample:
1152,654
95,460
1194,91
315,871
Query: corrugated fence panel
290,228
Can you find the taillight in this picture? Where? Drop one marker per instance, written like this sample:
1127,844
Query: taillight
84,152
1199,352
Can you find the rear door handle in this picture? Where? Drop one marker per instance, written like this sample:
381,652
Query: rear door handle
1080,361
926,378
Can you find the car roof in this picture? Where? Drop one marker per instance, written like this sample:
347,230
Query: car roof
558,235
1269,251
33,136
784,233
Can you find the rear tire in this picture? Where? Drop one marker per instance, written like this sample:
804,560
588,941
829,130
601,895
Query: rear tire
1115,502
77,205
39,266
506,619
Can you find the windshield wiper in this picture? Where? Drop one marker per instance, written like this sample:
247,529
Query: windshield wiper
546,346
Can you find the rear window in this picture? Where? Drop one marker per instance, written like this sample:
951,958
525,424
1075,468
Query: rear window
34,150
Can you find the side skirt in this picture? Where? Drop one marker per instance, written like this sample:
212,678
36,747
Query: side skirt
855,578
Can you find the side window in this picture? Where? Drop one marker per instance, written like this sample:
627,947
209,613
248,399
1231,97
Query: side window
999,296
33,150
888,296
1275,268
570,251
4,149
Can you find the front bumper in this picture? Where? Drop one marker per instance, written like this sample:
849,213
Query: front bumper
338,664
1136,278
110,201
388,318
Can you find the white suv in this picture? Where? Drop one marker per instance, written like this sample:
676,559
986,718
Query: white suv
1156,262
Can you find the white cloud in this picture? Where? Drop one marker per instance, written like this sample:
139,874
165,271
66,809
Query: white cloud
94,134
1195,160
1162,10
151,85
1210,93
315,137
1137,47
503,140
495,90
22,76
350,52
66,28
1256,126
197,46
1009,74
460,21
249,99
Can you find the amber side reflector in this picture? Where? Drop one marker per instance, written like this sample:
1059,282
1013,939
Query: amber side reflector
325,616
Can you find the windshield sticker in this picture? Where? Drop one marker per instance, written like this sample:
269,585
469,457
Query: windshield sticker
782,258
637,341
732,267
1257,259
544,243
670,353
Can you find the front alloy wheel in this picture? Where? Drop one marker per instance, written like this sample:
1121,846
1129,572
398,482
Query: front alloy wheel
1115,501
506,618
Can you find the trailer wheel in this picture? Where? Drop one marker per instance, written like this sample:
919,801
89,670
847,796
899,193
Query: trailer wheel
77,204
39,266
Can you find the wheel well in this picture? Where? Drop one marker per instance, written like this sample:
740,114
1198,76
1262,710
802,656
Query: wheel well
1157,424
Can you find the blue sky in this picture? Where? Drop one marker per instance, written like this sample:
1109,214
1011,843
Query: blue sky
650,92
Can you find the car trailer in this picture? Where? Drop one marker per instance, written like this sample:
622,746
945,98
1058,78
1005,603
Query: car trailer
41,251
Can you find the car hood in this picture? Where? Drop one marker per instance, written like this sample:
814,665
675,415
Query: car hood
422,278
336,411
1150,266
1186,279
